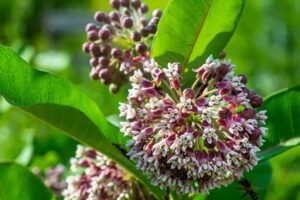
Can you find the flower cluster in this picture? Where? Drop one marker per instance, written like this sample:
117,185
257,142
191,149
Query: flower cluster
193,139
98,178
53,178
119,41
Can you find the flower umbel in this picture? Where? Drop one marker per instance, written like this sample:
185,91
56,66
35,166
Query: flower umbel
119,41
193,139
95,177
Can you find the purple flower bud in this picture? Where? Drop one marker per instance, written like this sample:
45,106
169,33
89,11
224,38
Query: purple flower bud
105,49
104,34
156,13
175,84
248,113
95,49
127,12
154,20
148,131
222,71
141,48
91,27
94,74
144,22
115,4
92,35
135,36
136,3
222,122
152,28
250,93
125,3
116,52
256,101
223,113
222,147
114,16
86,47
146,83
105,74
255,134
150,91
93,61
243,78
143,8
189,93
127,55
145,32
202,102
100,16
171,139
104,61
105,81
127,22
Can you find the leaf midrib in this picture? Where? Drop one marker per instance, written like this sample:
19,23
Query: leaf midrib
187,59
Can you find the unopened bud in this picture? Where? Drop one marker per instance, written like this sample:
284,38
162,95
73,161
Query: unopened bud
127,22
135,36
156,13
115,4
256,101
104,34
143,8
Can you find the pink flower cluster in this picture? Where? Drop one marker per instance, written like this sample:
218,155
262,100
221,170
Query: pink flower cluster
193,139
119,41
95,177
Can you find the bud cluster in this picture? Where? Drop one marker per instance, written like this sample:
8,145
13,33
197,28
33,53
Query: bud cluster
95,177
119,41
53,178
193,139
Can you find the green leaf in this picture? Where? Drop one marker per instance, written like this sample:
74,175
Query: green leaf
189,31
62,105
259,178
283,111
16,139
17,182
114,120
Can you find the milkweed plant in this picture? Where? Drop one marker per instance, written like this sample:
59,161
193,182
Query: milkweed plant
189,126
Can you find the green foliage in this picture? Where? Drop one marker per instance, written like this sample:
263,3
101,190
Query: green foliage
265,48
62,105
266,43
17,182
14,133
189,31
259,178
285,179
283,110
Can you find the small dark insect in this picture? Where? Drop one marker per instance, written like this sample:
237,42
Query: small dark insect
122,150
249,189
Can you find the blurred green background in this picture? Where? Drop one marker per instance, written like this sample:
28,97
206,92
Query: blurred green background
49,34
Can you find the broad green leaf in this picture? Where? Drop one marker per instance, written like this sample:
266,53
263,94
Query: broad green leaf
16,139
114,120
259,178
189,31
62,105
17,182
283,111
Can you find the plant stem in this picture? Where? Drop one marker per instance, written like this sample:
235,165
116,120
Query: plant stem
195,83
173,94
